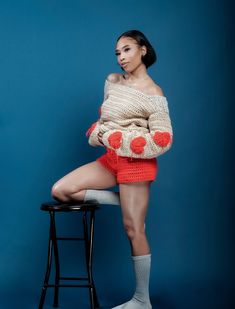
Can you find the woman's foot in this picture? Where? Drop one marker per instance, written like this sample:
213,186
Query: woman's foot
134,304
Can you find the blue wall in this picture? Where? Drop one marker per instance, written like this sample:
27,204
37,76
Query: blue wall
54,58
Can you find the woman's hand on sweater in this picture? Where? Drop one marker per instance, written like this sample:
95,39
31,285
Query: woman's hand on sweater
100,135
92,133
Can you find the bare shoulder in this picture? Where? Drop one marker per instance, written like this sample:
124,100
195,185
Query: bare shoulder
157,90
114,77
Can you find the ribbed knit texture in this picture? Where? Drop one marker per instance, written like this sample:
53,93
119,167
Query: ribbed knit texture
140,299
133,124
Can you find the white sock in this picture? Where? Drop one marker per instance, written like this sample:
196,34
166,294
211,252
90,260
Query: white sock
140,299
103,196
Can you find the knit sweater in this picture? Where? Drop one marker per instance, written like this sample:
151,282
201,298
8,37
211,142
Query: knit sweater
134,124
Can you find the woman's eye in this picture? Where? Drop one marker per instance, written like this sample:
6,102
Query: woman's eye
126,49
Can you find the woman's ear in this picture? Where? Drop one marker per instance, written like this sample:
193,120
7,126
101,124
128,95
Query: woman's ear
144,50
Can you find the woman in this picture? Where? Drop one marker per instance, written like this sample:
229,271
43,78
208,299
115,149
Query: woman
134,127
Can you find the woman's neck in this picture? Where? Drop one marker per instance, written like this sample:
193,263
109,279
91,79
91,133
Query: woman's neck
137,76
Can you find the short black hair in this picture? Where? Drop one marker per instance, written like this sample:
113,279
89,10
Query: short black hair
150,57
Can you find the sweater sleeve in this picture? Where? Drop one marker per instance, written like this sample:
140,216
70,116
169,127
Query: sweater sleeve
146,142
92,134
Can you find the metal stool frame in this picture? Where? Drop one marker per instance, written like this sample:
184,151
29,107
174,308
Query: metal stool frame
88,237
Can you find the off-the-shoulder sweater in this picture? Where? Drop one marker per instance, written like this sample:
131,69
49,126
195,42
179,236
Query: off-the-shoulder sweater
134,124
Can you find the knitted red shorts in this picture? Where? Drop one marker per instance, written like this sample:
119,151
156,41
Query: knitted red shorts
129,169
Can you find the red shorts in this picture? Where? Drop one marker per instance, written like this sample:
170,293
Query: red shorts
129,169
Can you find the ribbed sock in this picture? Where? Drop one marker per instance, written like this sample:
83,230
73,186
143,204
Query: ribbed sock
103,196
140,299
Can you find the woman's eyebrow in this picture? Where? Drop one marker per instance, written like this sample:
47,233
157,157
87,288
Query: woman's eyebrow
122,47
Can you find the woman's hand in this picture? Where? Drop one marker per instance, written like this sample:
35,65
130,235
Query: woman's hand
100,137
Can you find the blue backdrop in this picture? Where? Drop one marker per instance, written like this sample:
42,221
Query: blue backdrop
54,58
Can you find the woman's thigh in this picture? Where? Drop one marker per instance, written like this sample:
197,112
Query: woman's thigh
134,198
89,176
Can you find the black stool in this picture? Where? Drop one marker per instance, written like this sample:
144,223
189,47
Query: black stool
88,230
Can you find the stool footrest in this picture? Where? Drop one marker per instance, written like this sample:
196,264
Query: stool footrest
68,285
70,238
73,278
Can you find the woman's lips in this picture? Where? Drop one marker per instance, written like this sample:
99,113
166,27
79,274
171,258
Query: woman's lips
124,64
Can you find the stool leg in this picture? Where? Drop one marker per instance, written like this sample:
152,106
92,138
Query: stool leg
92,221
57,265
48,269
87,245
89,252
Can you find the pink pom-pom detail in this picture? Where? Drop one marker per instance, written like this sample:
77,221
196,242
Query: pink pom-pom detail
91,129
137,145
162,139
114,140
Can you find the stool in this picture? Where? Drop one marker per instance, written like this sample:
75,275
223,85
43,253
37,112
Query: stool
88,234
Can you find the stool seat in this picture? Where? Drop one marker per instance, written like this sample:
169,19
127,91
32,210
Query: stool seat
70,206
53,207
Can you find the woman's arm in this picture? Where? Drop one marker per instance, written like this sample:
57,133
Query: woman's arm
156,141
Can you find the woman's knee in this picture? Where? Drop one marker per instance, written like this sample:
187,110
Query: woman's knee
57,192
134,230
62,192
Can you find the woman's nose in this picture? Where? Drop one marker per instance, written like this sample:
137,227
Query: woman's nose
121,57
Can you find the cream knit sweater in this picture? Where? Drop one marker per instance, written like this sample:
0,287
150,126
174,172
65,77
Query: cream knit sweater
133,124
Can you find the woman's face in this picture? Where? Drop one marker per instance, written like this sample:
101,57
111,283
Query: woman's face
129,53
